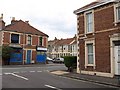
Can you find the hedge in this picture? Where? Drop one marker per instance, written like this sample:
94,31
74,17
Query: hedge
70,62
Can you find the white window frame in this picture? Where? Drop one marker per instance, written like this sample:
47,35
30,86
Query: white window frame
86,53
27,39
116,20
85,23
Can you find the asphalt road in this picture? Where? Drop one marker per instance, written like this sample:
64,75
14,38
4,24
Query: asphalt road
39,76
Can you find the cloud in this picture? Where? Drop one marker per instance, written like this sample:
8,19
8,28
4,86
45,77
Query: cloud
54,17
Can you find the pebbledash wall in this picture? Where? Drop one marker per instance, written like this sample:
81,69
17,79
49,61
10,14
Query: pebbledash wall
29,44
104,38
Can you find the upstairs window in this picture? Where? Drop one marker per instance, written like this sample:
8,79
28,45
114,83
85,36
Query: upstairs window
40,41
15,38
118,13
89,22
29,40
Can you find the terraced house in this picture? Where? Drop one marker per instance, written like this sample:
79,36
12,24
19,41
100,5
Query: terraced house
29,44
62,47
98,36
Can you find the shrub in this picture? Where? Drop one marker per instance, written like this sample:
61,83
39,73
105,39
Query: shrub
70,62
6,52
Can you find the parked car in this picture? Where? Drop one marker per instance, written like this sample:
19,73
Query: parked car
49,59
58,60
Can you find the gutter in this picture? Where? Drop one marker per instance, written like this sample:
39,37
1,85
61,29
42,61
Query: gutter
101,3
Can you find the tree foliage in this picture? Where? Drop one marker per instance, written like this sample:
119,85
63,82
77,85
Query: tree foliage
6,52
70,62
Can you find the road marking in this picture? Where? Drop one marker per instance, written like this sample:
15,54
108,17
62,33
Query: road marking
17,76
0,74
32,71
49,86
23,71
39,71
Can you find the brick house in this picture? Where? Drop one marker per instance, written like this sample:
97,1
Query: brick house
28,43
62,47
98,37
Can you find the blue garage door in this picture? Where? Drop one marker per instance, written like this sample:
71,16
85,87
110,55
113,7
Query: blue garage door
41,57
16,56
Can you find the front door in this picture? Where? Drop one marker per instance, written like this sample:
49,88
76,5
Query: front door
28,56
117,60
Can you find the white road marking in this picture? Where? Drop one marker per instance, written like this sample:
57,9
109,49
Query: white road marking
23,71
0,74
17,76
49,86
7,73
39,71
32,71
20,76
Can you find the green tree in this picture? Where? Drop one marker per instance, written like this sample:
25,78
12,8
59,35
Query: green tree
6,52
70,62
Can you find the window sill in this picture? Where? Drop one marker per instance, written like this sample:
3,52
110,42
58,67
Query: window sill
93,33
118,21
90,65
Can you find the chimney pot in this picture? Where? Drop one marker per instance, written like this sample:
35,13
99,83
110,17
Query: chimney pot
13,18
27,22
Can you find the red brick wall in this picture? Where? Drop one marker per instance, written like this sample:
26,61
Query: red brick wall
44,41
104,20
34,40
34,53
81,24
6,38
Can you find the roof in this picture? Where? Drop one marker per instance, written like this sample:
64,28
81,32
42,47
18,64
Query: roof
23,27
61,42
93,5
64,41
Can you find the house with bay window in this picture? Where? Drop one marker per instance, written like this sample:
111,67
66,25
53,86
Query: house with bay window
98,37
58,48
28,43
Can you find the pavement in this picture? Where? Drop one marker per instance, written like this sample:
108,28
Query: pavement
90,78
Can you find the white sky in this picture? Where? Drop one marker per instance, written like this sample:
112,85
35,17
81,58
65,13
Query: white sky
53,17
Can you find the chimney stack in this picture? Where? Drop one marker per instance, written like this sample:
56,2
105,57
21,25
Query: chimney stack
13,20
27,22
2,23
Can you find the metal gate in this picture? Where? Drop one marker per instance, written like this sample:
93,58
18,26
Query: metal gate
41,57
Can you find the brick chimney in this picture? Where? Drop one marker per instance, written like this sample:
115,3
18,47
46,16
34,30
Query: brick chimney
13,21
2,23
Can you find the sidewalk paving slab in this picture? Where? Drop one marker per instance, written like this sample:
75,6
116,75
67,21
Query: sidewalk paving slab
90,78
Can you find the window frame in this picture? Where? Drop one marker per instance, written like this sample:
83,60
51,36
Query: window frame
116,17
29,40
86,53
39,43
18,38
86,23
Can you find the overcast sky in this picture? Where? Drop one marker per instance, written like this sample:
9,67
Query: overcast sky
53,17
